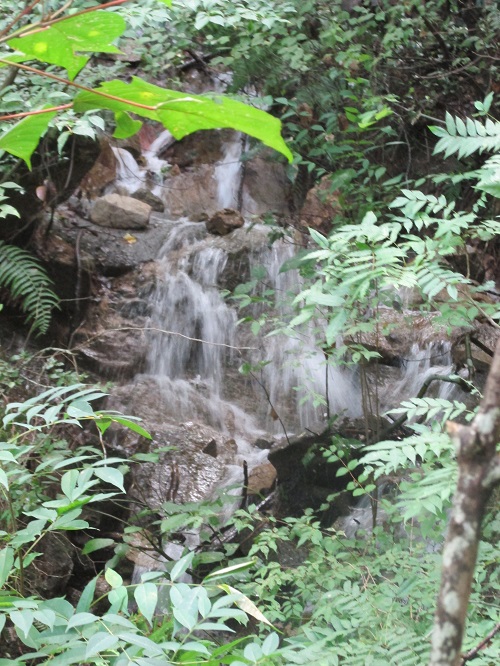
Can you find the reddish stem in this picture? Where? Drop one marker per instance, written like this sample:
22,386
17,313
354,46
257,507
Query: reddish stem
24,114
65,82
25,11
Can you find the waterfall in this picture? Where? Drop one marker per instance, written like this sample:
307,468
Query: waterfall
296,377
129,175
228,174
188,304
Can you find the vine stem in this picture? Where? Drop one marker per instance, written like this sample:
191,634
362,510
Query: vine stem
41,25
24,114
66,82
17,18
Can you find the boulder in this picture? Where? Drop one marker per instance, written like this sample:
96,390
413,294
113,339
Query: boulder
117,211
147,197
102,174
261,479
224,221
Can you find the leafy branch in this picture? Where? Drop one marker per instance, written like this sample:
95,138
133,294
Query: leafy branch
62,41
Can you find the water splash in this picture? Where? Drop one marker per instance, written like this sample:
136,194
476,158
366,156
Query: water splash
129,175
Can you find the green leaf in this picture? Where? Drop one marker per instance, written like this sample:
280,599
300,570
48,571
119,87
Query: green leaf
100,642
111,475
181,566
131,425
23,620
113,578
143,642
6,563
271,644
125,125
94,31
52,46
87,597
184,114
96,544
4,481
22,139
146,596
241,566
81,619
246,605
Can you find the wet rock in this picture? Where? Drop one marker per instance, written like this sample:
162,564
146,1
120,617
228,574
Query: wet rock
102,174
196,149
263,443
74,241
266,188
116,348
120,212
320,207
191,194
147,197
192,458
224,222
261,479
113,339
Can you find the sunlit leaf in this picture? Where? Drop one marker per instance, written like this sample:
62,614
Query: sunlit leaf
22,139
184,114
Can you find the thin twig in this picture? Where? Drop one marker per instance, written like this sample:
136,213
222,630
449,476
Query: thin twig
17,18
161,330
471,654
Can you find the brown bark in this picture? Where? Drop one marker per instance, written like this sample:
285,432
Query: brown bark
479,472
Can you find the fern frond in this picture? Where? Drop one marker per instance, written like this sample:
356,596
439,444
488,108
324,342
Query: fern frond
466,137
430,408
27,283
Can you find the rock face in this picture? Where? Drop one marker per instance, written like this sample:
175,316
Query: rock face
74,241
120,212
320,207
265,188
224,221
195,465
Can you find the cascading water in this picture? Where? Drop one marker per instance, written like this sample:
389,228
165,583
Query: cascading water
196,345
228,174
300,383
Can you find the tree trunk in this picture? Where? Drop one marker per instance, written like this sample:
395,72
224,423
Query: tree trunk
479,472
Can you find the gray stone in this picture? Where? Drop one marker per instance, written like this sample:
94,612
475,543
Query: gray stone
120,212
147,197
266,188
107,251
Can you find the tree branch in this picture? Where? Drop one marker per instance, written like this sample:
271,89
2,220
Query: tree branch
479,471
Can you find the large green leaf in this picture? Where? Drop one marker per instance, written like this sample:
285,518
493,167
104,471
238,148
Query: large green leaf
184,114
52,46
94,31
22,139
58,44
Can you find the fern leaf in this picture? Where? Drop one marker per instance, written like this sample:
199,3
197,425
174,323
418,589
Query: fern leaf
467,138
27,283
